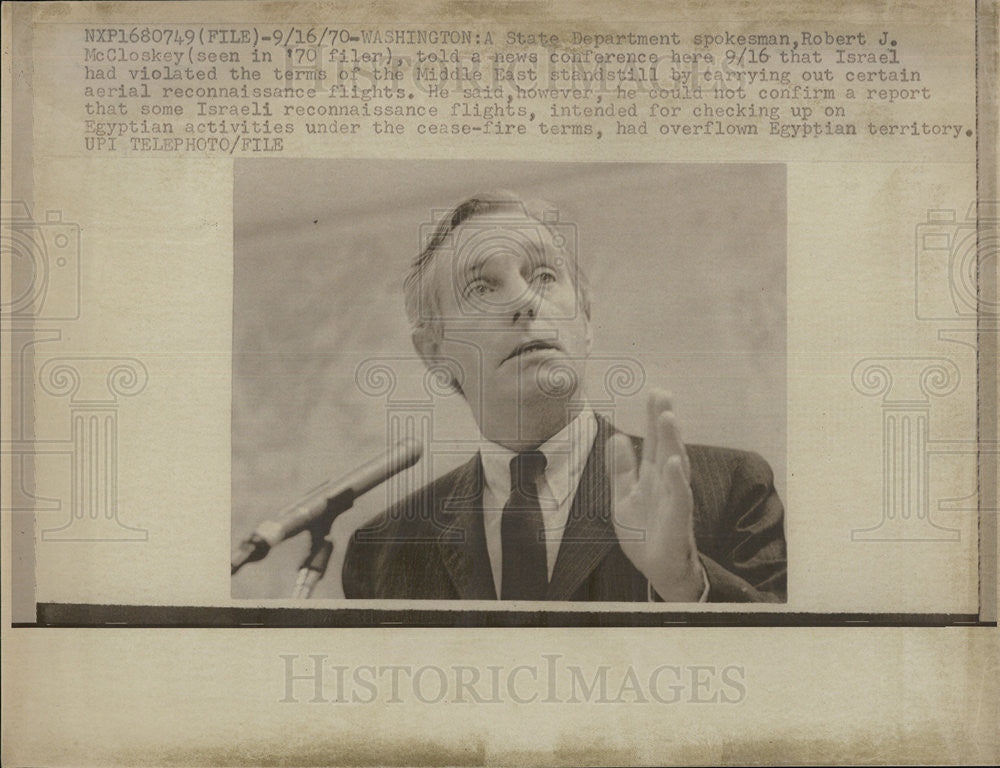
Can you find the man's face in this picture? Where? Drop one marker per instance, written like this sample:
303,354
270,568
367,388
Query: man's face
510,316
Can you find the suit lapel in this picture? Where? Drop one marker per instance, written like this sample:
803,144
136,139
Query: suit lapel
462,538
588,538
589,534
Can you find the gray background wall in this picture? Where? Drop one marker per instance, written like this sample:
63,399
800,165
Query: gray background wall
686,262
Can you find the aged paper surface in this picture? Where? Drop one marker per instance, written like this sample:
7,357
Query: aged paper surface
787,218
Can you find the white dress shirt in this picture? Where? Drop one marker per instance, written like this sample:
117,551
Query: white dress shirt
566,455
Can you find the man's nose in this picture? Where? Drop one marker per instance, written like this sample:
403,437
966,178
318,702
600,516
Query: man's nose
523,301
528,313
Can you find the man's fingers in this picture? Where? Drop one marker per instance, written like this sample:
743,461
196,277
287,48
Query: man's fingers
621,465
658,402
680,489
670,443
652,430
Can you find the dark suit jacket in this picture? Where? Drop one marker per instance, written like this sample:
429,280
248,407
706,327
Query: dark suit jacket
432,545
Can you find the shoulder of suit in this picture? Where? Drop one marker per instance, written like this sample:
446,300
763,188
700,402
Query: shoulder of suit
731,467
413,509
716,457
728,455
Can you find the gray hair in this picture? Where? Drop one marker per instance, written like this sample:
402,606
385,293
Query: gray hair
419,293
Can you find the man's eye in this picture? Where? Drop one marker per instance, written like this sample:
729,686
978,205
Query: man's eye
545,275
477,288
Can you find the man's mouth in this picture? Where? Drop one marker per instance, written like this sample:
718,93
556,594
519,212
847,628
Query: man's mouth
535,345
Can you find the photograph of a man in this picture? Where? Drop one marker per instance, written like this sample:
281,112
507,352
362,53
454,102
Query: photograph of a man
557,504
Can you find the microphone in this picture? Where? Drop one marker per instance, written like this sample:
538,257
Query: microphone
323,504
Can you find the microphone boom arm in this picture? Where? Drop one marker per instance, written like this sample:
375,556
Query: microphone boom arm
258,544
318,510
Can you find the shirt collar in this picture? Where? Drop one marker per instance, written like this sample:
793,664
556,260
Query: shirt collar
565,452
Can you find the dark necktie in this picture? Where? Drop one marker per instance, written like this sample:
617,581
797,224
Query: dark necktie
524,574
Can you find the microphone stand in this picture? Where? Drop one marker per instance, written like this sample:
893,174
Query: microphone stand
317,512
313,568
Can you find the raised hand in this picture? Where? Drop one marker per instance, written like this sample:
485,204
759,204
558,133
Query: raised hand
653,506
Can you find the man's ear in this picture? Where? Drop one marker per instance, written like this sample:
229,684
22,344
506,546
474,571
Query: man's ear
427,344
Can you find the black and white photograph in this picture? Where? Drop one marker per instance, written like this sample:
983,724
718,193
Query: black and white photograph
584,361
